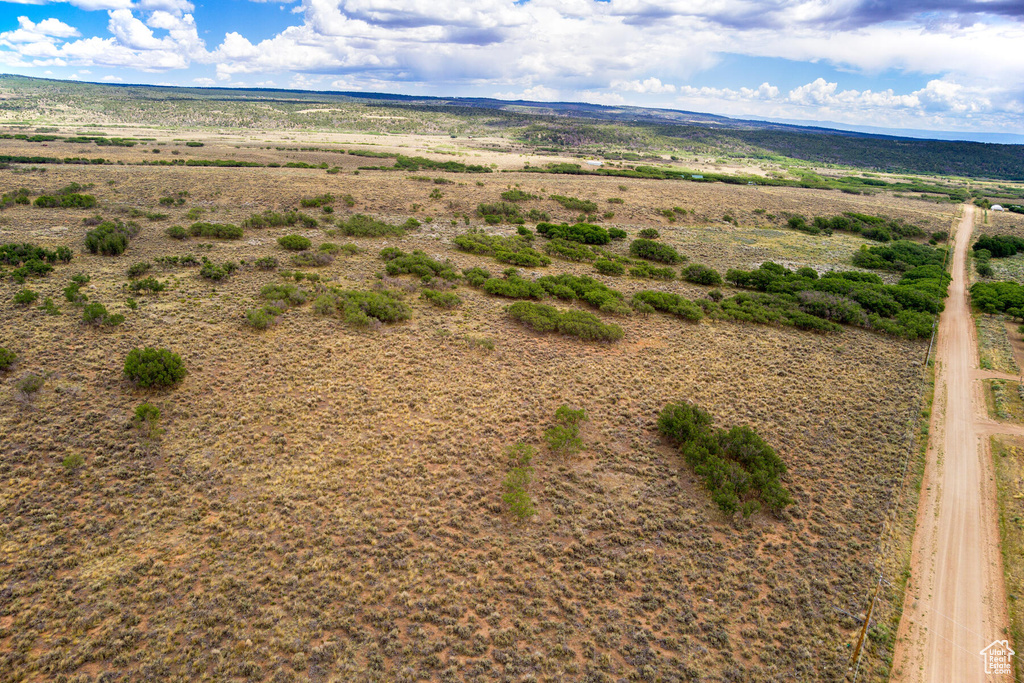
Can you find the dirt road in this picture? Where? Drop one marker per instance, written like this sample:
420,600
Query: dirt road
955,604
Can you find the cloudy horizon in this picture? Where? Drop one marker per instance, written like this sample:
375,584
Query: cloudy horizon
948,65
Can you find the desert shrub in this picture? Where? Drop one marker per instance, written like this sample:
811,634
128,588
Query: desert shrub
147,421
7,358
668,302
49,307
30,384
361,225
263,317
329,248
25,297
224,231
417,263
584,233
154,367
517,482
176,232
597,294
701,275
649,272
617,233
441,299
496,212
14,254
525,258
318,201
475,277
514,287
649,233
574,204
289,294
998,246
72,200
654,251
96,314
740,469
563,437
309,259
517,195
609,267
266,263
214,271
150,284
270,219
294,242
570,251
898,256
110,238
581,324
138,269
72,292
362,308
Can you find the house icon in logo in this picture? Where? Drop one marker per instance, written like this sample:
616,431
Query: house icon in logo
997,658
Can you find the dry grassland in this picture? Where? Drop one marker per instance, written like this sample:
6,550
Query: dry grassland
325,503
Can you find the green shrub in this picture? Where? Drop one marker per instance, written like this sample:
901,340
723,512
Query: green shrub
584,233
30,384
266,263
654,251
25,297
609,267
147,420
362,308
49,307
139,268
288,294
563,437
71,200
109,238
154,367
294,242
7,358
224,231
214,271
329,248
15,254
318,201
496,212
649,233
417,263
574,204
360,225
617,233
441,299
96,314
263,317
517,482
701,275
541,318
517,195
647,271
571,251
150,283
514,287
176,232
740,469
668,302
475,277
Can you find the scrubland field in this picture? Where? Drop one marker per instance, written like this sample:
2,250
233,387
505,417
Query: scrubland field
324,501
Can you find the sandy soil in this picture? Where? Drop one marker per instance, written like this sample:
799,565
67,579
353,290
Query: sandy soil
955,603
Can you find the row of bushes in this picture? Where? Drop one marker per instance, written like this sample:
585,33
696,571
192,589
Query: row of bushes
870,227
72,200
362,309
740,469
899,256
998,297
418,263
515,250
580,324
273,219
999,246
584,233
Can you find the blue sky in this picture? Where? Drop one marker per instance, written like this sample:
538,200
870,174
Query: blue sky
937,65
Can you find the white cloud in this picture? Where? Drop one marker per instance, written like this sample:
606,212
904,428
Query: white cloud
649,85
204,81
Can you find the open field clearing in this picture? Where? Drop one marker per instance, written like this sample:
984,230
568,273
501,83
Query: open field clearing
325,501
1009,470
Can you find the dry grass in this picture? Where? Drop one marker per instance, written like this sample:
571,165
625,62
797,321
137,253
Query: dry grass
1008,459
325,503
994,350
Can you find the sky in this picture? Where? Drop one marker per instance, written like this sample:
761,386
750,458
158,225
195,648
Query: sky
951,65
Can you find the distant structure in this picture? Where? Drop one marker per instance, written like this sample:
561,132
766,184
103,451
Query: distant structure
595,163
998,207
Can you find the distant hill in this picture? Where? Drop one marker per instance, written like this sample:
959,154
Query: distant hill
569,126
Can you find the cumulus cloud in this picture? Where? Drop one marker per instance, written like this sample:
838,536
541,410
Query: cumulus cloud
648,85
